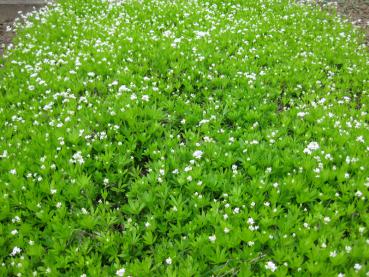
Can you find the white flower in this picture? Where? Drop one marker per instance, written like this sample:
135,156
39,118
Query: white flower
52,191
226,230
114,83
357,267
123,88
312,146
58,205
358,194
212,238
120,272
16,250
77,158
145,98
250,243
360,139
201,34
14,232
13,171
326,220
168,261
236,210
301,114
187,168
271,266
16,219
5,154
198,154
333,254
133,96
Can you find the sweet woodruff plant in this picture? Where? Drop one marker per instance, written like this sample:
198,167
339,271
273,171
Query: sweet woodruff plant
184,138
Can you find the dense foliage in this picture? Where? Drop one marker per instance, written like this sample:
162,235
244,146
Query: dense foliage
184,138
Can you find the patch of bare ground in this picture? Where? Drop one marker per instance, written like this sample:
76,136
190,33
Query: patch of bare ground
8,12
356,11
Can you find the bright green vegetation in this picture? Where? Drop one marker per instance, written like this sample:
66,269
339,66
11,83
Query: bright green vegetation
184,138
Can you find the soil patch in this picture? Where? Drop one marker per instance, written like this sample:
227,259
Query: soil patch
7,15
357,11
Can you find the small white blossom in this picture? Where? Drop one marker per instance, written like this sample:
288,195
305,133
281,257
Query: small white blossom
360,139
120,272
250,243
357,267
271,266
198,154
301,114
212,238
123,88
168,261
16,219
77,158
16,250
312,146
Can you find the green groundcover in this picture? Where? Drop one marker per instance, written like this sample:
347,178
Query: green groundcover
184,138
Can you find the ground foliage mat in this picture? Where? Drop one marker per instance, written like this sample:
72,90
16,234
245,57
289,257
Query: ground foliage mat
184,138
